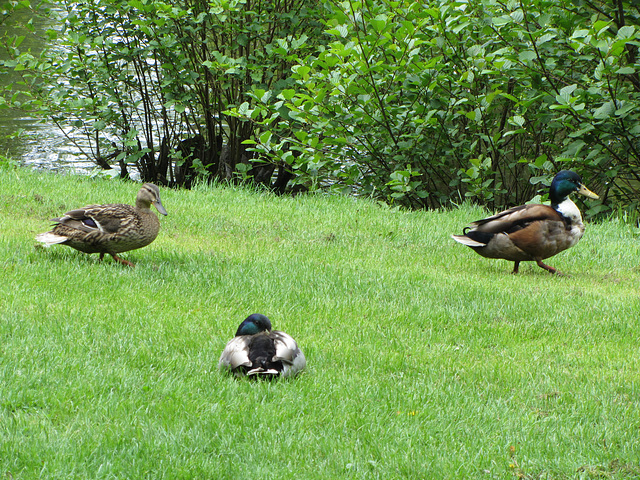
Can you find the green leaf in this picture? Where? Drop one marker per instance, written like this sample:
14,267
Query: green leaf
565,96
243,108
458,28
527,56
242,39
599,25
287,94
503,20
568,90
604,111
598,72
510,97
626,32
539,162
339,30
579,133
546,38
301,70
625,109
472,115
136,4
517,15
518,120
379,23
265,138
580,33
626,70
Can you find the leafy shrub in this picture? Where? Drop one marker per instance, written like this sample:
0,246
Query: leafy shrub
431,102
148,82
419,103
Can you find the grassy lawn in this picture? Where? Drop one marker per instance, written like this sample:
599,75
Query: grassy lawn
425,360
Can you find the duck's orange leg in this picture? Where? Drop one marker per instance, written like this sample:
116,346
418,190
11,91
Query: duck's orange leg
122,261
548,268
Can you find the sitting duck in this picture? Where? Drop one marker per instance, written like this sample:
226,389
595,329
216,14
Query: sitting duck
111,228
257,351
532,232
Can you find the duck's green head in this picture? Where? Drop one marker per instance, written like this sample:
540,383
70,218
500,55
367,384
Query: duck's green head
253,324
566,182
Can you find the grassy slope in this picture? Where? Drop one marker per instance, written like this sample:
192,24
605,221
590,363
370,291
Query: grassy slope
424,359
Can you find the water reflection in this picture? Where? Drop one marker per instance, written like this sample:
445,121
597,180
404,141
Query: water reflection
40,144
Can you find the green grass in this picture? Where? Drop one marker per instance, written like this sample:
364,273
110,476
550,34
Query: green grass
425,360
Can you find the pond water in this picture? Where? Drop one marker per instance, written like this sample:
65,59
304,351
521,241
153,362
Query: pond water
40,144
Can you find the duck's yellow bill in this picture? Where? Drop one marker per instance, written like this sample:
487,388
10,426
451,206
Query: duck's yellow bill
587,193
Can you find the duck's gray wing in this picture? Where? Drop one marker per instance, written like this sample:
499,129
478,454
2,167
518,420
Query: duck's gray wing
288,352
235,354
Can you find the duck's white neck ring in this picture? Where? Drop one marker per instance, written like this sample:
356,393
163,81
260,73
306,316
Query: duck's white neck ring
569,211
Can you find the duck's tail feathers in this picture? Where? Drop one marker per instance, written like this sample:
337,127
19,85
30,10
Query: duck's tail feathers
50,238
463,239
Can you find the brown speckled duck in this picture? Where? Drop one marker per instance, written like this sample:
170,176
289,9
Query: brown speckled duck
532,232
111,228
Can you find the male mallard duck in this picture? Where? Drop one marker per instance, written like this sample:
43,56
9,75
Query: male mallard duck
532,232
111,228
258,350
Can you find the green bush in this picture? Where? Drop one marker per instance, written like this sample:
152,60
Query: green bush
426,103
148,82
419,103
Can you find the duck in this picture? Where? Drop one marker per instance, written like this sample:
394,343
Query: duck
532,232
258,351
111,228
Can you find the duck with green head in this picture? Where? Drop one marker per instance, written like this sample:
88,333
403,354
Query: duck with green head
532,232
257,351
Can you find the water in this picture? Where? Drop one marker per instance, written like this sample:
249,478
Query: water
40,145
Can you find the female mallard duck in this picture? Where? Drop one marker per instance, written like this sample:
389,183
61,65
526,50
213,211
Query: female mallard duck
111,228
257,350
532,232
